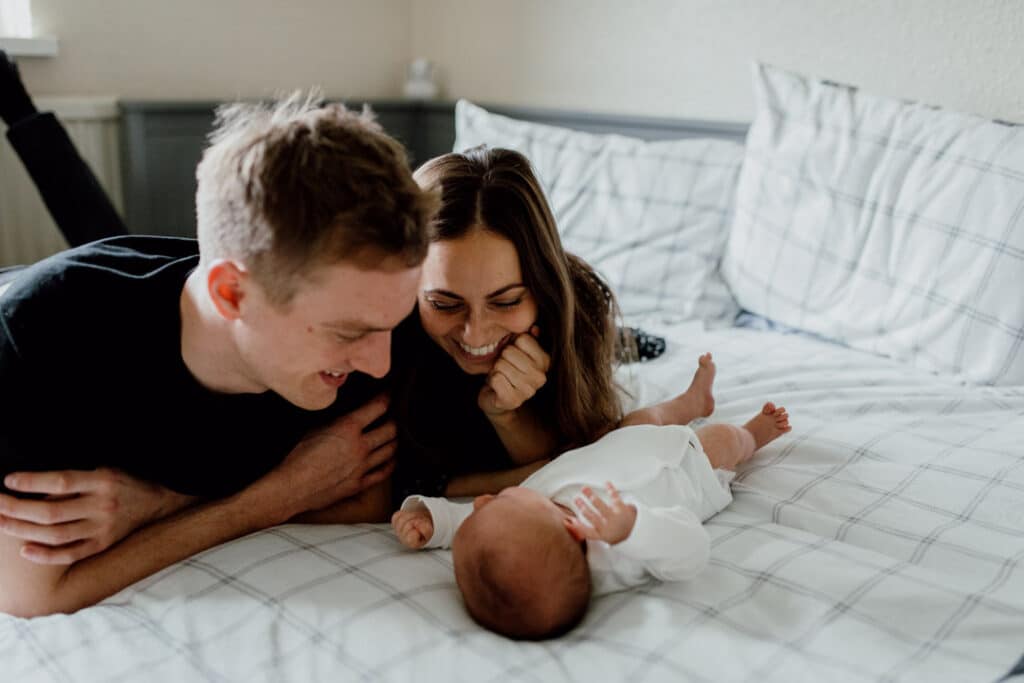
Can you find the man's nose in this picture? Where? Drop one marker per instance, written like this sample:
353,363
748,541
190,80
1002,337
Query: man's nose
374,354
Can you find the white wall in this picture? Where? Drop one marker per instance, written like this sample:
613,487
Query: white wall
677,58
689,58
220,49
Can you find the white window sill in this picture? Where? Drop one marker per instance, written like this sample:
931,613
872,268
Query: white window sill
41,46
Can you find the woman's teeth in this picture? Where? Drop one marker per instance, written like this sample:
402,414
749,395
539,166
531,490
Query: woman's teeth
332,373
479,350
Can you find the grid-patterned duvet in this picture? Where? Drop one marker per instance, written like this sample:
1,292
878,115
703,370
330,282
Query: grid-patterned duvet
882,540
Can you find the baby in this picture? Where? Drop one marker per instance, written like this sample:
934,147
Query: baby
528,559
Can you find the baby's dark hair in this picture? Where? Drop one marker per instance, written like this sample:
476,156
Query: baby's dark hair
524,595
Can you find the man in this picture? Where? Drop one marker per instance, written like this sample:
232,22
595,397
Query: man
202,378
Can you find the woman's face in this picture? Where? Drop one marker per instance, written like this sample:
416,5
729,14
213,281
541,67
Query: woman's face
472,299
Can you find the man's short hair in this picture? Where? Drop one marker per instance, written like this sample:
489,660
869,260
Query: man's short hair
288,186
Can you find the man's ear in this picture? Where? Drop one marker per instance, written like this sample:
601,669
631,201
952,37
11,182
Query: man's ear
225,283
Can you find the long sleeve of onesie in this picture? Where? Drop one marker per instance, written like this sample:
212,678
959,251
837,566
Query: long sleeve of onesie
448,516
666,543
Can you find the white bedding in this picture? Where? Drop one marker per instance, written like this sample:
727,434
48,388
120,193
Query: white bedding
882,540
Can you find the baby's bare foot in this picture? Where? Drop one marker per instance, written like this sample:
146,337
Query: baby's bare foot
768,425
699,394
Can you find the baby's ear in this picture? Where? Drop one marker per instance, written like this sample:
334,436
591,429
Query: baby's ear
573,527
480,501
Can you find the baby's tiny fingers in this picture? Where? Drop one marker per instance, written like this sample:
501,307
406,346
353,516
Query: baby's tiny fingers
616,497
592,516
596,501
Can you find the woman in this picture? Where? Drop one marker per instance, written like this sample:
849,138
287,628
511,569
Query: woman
518,334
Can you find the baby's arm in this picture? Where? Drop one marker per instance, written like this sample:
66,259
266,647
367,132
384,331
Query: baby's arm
424,522
669,543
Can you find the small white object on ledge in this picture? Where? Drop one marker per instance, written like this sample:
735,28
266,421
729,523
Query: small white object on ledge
419,82
40,46
17,36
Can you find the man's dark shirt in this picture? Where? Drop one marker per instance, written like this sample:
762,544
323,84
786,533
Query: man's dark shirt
91,375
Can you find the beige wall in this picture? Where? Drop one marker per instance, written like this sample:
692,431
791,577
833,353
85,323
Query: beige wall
678,58
213,49
689,58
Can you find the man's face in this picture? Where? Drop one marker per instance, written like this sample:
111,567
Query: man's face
339,321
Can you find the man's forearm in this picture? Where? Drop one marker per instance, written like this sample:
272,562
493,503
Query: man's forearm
157,546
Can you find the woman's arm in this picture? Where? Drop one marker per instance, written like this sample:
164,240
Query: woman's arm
516,378
480,483
524,434
372,505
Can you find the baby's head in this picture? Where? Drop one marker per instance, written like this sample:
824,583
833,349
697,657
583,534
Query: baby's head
521,572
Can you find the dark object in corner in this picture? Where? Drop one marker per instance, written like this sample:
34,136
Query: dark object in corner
637,345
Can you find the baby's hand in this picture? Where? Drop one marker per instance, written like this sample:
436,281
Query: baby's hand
609,523
413,527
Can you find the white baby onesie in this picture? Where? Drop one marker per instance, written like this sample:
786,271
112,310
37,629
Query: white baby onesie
661,470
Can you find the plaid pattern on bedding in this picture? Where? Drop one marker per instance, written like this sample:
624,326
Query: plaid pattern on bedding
651,217
890,226
882,540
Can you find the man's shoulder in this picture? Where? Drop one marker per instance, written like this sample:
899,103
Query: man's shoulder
80,289
118,262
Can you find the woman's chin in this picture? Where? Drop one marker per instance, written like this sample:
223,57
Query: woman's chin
475,367
470,364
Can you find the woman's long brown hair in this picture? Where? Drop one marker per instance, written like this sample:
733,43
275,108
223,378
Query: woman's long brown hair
496,190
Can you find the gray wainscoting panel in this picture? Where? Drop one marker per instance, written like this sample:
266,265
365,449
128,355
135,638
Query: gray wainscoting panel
162,142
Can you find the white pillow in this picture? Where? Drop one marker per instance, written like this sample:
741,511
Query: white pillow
890,226
651,217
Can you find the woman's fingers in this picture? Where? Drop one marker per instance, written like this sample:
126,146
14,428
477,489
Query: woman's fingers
505,392
528,344
527,356
519,360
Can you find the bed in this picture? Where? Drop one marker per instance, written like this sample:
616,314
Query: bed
882,540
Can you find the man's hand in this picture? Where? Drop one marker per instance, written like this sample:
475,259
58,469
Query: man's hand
84,512
609,523
413,527
334,462
517,375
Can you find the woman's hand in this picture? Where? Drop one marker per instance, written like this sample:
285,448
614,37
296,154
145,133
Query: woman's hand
413,527
611,523
84,512
517,375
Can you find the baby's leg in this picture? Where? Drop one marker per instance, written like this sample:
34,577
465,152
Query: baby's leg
727,446
696,401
